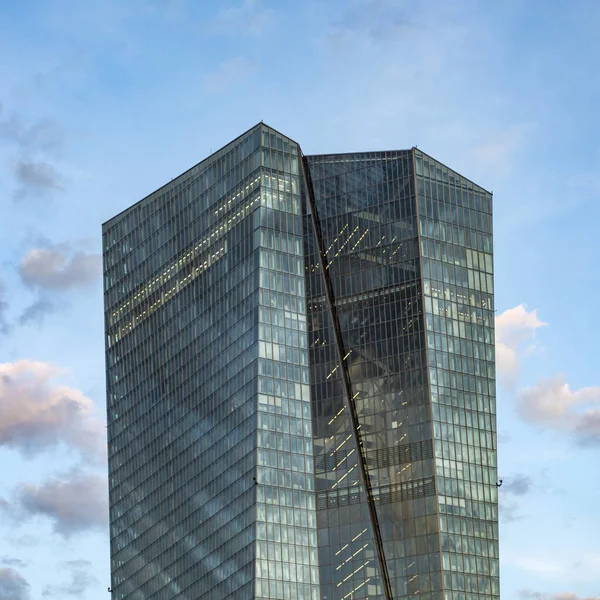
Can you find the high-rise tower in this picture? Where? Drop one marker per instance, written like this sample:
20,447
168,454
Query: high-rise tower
300,380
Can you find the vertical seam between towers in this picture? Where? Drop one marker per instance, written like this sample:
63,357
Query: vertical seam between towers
349,401
430,403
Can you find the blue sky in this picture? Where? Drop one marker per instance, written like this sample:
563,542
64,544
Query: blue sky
103,101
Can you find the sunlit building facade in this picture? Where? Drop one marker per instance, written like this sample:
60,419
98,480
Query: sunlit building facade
300,380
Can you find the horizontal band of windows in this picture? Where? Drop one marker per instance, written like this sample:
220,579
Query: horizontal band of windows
385,494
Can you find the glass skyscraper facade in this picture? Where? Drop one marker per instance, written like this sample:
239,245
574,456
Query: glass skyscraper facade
300,380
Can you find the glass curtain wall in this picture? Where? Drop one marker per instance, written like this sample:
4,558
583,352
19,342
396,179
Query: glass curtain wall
367,211
287,558
181,311
455,225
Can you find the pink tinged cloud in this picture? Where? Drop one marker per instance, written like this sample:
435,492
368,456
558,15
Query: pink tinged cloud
75,501
553,404
56,268
37,413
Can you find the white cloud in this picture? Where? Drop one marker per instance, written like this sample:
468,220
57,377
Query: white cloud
553,404
514,328
229,73
37,413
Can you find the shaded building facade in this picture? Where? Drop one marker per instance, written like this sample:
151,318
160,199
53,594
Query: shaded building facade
300,380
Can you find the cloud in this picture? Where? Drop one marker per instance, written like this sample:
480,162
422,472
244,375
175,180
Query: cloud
74,502
375,21
81,580
499,150
571,566
231,72
44,135
542,567
529,595
508,511
36,413
56,268
4,327
518,485
553,404
21,541
35,313
514,327
9,561
34,145
37,175
13,586
248,17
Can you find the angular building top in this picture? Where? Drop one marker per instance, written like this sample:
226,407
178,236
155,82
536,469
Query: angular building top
300,380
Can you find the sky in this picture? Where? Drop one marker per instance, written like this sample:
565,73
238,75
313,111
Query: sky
103,101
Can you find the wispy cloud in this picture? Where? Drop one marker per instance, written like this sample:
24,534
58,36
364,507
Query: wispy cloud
10,561
543,567
564,568
529,595
248,17
36,312
42,135
230,73
376,21
502,147
508,510
517,485
513,486
4,327
81,579
36,413
35,145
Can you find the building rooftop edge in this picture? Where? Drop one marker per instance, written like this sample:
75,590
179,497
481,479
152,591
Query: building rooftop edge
205,159
322,155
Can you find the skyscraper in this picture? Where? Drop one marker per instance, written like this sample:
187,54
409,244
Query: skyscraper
300,380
